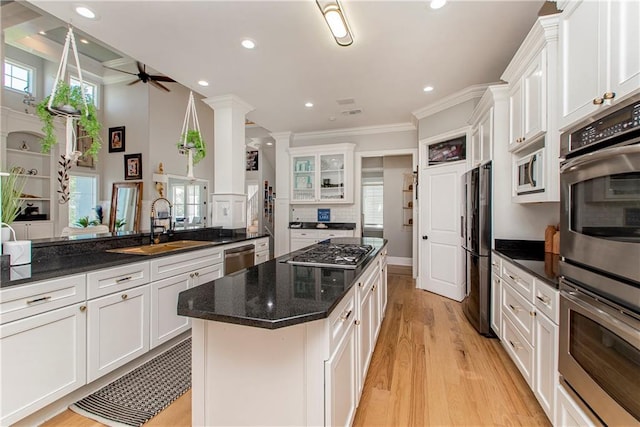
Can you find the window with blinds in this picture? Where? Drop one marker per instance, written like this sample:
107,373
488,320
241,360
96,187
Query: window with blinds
372,204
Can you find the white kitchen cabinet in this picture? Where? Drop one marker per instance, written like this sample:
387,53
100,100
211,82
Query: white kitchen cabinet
340,381
29,230
322,174
569,413
301,238
546,364
261,250
365,328
600,56
383,283
482,123
42,358
496,304
188,262
117,330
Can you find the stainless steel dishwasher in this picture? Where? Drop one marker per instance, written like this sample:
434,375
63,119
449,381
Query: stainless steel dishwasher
238,258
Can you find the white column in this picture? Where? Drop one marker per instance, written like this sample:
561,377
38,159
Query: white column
229,201
283,174
229,144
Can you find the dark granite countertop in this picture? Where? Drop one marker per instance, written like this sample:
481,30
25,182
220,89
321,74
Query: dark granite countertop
275,294
530,256
63,260
327,225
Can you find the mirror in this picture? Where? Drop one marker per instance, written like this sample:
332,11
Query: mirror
126,198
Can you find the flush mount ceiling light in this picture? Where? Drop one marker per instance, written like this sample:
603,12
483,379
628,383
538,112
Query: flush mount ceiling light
85,12
203,83
336,20
248,44
437,4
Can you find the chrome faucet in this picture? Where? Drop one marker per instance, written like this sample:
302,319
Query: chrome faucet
156,239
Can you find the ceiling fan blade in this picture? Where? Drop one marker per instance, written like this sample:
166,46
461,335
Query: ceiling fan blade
162,79
141,67
133,82
122,71
158,85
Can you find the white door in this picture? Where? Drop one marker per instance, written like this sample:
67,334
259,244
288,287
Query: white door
442,257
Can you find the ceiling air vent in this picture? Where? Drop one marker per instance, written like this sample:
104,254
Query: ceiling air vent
352,112
346,101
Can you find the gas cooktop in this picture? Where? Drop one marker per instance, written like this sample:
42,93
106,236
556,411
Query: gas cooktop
338,255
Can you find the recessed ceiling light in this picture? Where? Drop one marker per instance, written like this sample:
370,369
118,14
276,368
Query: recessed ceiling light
42,33
308,104
85,12
428,88
84,41
437,4
248,44
269,143
203,83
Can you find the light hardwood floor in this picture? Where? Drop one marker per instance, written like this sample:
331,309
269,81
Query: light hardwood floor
429,368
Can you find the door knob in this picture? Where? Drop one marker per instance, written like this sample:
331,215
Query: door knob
425,237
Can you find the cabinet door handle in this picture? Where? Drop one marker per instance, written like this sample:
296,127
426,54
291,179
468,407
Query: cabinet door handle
532,314
123,279
47,298
83,308
545,299
125,296
598,101
191,275
373,288
197,273
515,308
514,278
360,284
609,95
357,323
346,316
516,345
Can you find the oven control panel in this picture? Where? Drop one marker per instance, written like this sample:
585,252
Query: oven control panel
618,123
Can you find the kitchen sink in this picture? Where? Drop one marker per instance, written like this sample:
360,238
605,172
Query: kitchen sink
160,247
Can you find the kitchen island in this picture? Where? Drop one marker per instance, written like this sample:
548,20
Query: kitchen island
283,344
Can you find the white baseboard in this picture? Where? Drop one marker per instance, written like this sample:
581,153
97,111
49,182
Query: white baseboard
397,260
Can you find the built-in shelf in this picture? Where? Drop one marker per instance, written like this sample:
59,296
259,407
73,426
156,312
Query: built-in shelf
27,152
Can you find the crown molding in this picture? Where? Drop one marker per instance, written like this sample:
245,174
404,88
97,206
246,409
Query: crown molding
365,130
228,101
467,94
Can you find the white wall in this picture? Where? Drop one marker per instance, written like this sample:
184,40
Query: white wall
13,99
447,120
399,236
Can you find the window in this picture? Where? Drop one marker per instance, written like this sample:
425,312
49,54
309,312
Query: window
18,77
89,89
83,197
189,205
372,204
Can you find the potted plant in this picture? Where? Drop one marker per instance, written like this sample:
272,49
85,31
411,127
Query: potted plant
84,222
192,140
120,223
70,102
11,188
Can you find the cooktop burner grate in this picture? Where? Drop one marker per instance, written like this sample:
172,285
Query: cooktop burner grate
340,255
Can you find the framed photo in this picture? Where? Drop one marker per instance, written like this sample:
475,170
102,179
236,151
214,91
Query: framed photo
83,142
133,166
116,139
252,161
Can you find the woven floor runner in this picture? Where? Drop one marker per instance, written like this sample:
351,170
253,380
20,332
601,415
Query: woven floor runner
136,397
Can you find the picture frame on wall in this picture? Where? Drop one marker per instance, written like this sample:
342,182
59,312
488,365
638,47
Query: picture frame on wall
252,161
133,166
116,139
83,143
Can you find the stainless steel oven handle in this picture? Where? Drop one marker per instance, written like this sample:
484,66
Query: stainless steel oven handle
531,180
604,316
600,156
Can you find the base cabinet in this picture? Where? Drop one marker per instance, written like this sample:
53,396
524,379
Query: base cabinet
546,364
496,304
340,382
30,381
569,414
33,230
117,330
165,323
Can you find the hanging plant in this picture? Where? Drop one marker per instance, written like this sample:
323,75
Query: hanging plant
69,101
192,140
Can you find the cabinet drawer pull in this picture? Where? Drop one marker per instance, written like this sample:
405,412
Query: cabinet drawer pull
598,101
609,95
515,308
123,279
516,345
197,273
124,296
83,308
38,300
545,299
191,275
373,288
532,313
514,278
346,316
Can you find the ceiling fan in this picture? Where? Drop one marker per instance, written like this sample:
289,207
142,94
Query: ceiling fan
145,77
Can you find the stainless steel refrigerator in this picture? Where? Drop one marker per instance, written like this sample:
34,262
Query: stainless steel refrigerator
476,241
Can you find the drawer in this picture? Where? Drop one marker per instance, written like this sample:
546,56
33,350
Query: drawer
340,318
261,245
261,257
519,349
521,281
329,234
115,279
27,300
496,264
303,234
519,310
165,267
547,300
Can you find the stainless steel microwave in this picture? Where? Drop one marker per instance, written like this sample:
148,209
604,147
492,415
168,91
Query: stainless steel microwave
529,173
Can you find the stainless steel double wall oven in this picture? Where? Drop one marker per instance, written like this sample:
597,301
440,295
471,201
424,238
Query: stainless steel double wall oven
599,359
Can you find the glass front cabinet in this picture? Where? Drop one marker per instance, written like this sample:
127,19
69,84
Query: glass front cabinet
322,174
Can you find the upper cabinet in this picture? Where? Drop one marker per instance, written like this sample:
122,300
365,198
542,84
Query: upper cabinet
322,174
485,128
600,51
